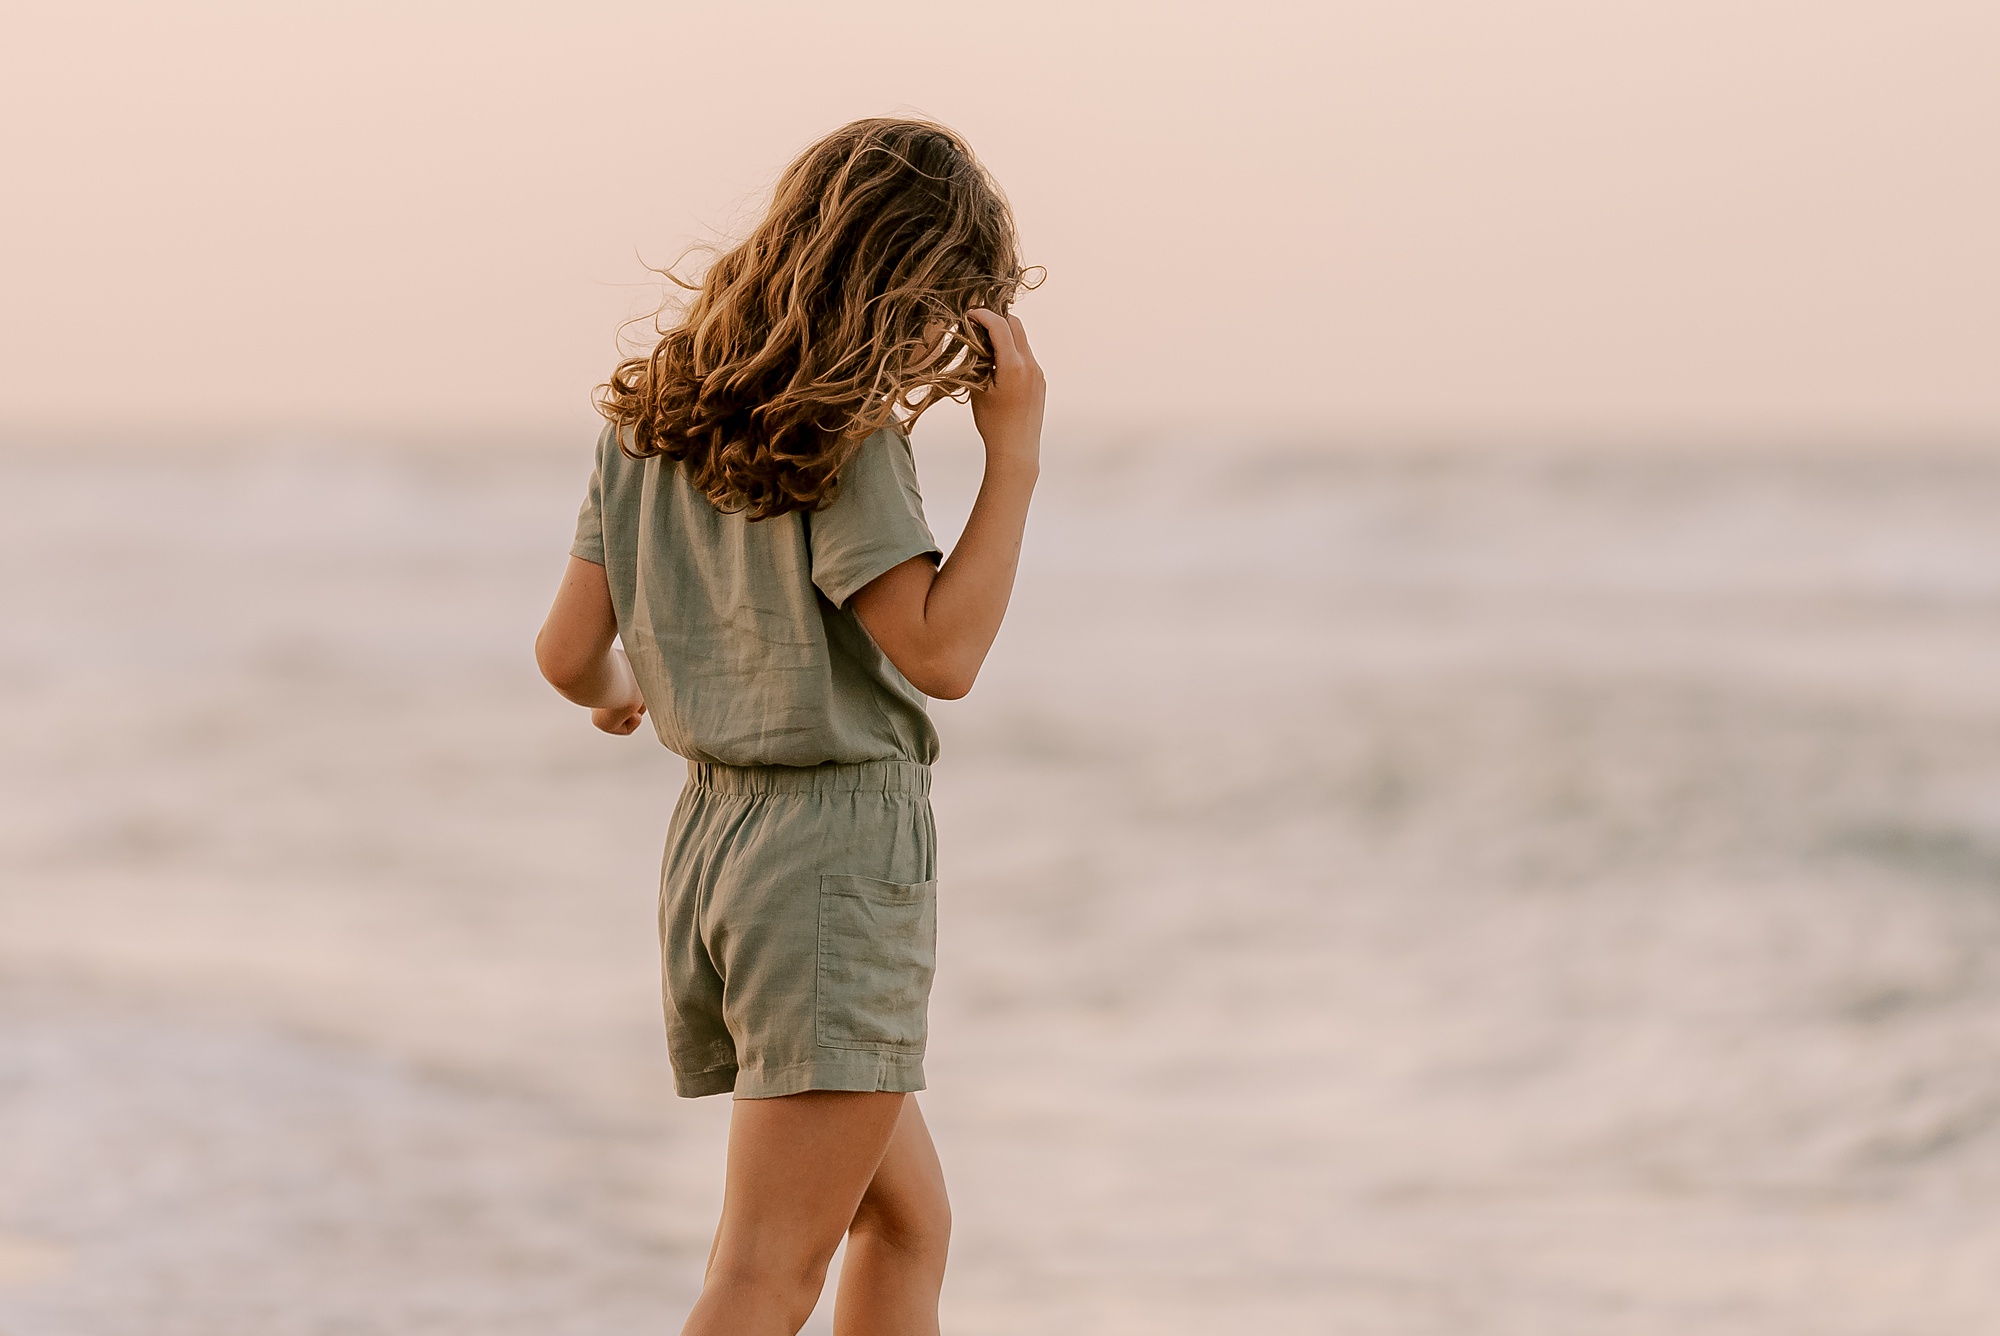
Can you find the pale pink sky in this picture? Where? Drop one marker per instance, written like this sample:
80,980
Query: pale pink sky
1690,220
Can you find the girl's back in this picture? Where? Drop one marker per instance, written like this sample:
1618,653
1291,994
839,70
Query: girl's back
739,630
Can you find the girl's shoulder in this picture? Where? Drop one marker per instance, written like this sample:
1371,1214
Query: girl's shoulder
884,457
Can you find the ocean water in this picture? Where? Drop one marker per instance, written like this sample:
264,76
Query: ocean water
1383,891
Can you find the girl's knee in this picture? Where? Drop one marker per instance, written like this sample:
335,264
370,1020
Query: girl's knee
793,1268
908,1222
790,1288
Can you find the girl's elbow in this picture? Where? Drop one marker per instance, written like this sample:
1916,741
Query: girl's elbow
563,671
945,681
948,688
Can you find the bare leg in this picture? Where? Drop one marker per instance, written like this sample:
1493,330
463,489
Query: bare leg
896,1246
798,1167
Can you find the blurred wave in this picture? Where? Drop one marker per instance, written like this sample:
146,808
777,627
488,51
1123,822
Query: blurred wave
1397,890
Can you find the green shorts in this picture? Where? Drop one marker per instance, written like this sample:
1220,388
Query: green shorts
798,928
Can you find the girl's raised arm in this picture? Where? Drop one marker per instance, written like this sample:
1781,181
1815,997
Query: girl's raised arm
937,623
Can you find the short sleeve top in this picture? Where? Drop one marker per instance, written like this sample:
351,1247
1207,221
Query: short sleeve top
739,631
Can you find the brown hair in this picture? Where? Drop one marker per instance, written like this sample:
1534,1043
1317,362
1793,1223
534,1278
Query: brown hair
818,329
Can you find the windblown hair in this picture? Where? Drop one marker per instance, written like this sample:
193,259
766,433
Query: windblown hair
823,326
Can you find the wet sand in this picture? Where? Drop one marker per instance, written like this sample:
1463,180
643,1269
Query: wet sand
1384,891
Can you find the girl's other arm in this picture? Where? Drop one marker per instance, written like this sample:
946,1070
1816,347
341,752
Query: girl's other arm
576,654
937,623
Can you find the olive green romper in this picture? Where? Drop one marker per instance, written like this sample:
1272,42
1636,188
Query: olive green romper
798,910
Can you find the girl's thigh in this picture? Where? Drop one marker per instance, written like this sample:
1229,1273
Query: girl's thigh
798,1166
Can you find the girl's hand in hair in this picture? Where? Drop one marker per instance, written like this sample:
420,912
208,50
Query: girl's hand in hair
937,623
1009,414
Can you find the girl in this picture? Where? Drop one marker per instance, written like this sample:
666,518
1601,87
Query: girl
754,538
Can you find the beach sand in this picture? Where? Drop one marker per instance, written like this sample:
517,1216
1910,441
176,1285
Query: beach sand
1384,891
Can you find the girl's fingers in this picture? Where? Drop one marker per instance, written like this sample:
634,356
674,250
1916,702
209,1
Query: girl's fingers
1014,345
1005,353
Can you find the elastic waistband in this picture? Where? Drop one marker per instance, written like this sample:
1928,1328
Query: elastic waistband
911,777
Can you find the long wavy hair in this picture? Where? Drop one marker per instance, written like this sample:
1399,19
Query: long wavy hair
841,313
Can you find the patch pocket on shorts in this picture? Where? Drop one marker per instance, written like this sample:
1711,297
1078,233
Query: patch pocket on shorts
877,953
